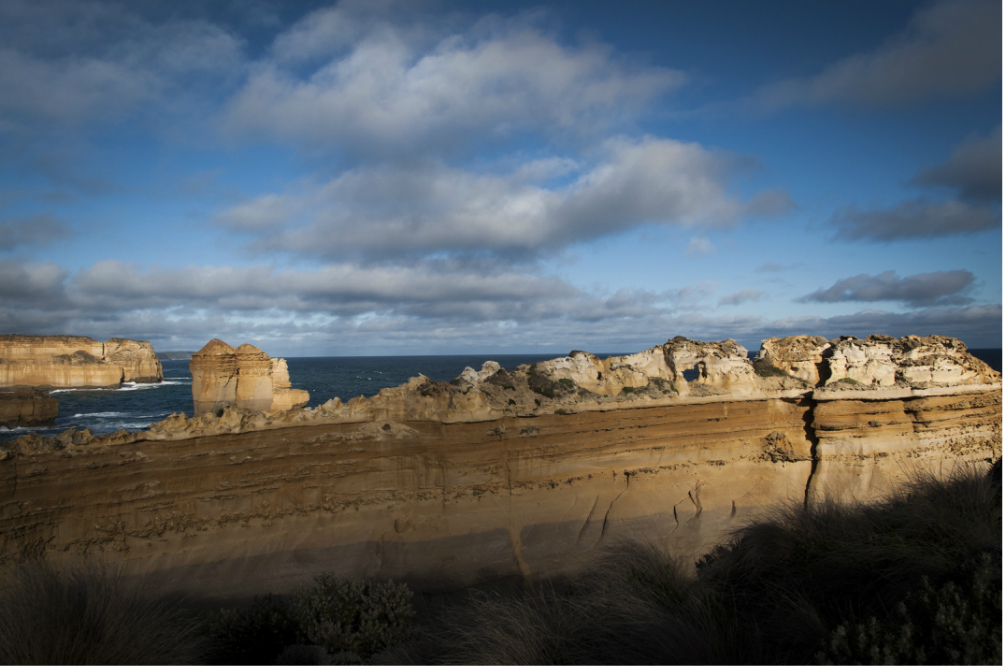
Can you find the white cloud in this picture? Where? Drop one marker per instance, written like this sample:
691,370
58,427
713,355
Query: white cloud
948,49
700,247
384,92
427,208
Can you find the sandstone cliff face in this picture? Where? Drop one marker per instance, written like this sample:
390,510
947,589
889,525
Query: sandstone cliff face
66,361
24,406
246,377
525,471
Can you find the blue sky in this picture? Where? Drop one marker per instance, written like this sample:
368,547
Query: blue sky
369,178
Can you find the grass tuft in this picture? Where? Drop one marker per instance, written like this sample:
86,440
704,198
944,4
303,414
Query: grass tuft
91,615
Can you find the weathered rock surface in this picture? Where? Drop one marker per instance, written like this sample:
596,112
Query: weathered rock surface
69,361
22,406
524,471
246,377
137,359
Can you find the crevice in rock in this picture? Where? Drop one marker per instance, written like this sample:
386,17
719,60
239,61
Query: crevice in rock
810,435
606,517
587,520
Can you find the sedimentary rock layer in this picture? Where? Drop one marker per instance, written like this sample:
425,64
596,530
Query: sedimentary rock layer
69,361
524,471
22,406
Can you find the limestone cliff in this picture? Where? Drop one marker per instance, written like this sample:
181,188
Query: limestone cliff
68,361
525,471
246,377
23,406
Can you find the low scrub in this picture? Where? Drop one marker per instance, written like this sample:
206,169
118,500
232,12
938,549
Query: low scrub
334,620
91,615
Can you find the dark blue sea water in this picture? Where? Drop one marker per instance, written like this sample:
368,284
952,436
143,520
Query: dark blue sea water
136,406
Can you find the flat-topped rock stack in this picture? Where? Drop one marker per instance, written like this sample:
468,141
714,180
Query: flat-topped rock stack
73,361
525,471
24,406
245,377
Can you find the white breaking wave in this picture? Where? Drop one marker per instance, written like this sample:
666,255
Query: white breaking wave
101,415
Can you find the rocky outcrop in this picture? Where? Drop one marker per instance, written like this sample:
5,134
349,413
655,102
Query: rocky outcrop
23,406
68,361
246,377
137,359
526,471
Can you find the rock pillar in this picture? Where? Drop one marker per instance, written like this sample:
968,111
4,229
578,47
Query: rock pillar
214,376
254,378
285,397
245,376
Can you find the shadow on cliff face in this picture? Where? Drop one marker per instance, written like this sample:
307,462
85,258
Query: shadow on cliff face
915,578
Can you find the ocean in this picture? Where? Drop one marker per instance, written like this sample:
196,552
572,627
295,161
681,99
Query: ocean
136,406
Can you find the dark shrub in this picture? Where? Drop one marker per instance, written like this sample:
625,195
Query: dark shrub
256,634
353,616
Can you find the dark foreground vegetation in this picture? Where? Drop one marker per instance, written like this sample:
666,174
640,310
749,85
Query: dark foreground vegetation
914,579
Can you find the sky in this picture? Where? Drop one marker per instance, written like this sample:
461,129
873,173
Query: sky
389,177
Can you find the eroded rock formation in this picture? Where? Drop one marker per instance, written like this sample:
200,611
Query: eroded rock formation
70,361
523,471
246,377
23,406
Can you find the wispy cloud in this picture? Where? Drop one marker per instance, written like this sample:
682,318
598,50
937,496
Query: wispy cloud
948,49
36,231
922,289
742,296
973,171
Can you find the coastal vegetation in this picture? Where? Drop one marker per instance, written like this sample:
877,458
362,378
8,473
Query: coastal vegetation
914,578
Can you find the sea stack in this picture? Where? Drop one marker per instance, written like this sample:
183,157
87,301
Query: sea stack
246,377
23,406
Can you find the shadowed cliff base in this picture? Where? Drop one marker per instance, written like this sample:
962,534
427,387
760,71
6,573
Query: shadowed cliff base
914,578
